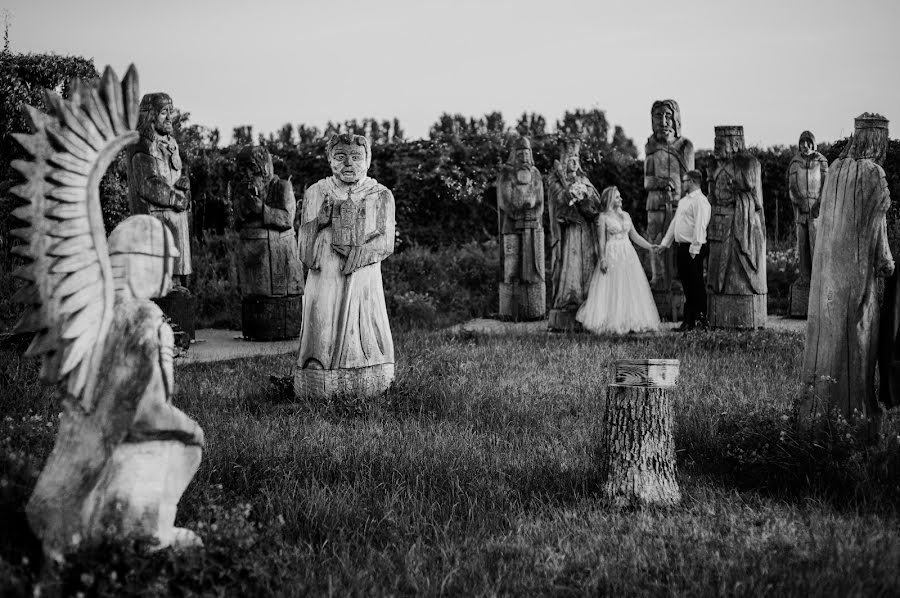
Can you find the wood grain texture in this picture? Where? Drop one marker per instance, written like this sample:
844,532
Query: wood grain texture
647,373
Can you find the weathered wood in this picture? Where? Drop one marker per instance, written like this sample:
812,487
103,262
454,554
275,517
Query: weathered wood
271,318
347,229
805,176
520,210
736,236
123,454
668,157
563,320
573,206
637,456
851,254
157,184
669,303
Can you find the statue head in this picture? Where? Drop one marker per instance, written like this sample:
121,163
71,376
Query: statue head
665,117
569,154
142,254
869,140
807,143
520,154
610,199
349,157
253,169
729,141
155,115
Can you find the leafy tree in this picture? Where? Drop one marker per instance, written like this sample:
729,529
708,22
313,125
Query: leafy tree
531,125
624,144
242,135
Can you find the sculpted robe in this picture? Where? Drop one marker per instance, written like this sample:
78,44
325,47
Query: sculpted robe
736,233
154,167
270,263
841,332
520,208
666,162
362,225
574,253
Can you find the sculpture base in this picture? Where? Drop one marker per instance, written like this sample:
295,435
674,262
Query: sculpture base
563,320
180,307
799,299
669,304
271,318
322,384
520,301
737,311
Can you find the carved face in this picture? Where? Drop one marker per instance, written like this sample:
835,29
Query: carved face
524,158
573,163
726,146
348,162
252,179
663,121
163,120
805,147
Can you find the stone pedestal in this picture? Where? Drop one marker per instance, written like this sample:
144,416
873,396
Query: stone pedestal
523,301
321,384
561,320
799,299
271,318
737,311
637,452
180,306
669,304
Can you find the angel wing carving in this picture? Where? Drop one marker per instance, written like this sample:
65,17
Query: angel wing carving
69,284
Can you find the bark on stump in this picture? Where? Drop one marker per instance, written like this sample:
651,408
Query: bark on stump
563,320
637,457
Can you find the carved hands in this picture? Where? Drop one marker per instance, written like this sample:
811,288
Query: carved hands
324,216
884,268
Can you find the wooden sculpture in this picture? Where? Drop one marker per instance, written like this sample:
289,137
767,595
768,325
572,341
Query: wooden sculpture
669,157
124,454
574,205
270,271
347,229
851,253
805,177
520,207
736,235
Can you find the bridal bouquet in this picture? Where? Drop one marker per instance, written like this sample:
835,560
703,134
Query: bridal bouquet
578,191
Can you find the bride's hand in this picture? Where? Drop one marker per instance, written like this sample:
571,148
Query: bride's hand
603,265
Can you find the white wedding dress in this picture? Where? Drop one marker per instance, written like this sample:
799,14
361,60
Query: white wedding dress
619,300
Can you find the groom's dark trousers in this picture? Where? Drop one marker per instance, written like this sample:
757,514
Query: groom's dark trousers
690,271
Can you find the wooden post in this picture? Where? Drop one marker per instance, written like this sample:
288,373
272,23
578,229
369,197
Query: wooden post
637,457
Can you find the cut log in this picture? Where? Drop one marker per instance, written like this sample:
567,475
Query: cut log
637,456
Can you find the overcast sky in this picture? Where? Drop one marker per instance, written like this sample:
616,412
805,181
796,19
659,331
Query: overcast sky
775,66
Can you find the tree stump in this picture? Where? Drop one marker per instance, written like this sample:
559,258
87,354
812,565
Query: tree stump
637,457
563,320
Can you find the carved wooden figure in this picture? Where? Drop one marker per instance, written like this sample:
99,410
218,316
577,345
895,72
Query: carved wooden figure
347,229
520,206
158,186
124,454
806,176
270,270
851,252
574,205
736,235
637,456
668,157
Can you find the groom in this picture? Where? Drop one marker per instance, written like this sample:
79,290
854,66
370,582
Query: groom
688,231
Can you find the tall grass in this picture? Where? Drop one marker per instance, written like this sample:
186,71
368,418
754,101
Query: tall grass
476,475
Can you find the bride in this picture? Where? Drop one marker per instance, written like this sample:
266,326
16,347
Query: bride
619,298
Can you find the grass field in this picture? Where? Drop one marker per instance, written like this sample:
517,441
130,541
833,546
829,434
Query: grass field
476,475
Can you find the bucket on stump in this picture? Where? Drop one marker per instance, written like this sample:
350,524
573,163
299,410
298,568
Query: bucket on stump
637,452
